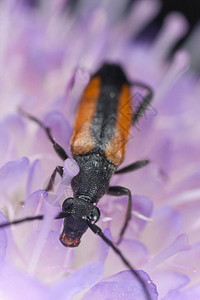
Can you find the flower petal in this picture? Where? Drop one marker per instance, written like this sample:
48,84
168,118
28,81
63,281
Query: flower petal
122,286
12,170
190,293
80,280
168,281
16,285
3,239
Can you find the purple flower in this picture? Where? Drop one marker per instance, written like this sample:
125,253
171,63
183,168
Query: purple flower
46,58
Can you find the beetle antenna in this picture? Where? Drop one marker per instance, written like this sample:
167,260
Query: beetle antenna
61,215
27,219
97,230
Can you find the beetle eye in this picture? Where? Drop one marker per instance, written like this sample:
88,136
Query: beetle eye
94,215
67,205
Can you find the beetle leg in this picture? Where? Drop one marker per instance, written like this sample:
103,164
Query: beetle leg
144,104
59,170
120,191
133,167
59,150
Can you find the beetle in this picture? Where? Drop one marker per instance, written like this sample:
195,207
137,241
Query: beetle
98,145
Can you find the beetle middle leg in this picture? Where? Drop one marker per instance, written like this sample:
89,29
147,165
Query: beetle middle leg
59,150
133,167
120,191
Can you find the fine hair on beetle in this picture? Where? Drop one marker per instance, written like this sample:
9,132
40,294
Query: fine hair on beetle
98,145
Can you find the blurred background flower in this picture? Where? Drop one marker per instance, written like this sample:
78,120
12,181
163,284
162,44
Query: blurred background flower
48,49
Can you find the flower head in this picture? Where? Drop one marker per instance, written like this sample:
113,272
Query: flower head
47,56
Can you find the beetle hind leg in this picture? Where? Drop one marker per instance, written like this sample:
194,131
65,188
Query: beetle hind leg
145,102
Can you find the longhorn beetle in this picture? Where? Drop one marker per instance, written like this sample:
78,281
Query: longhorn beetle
98,145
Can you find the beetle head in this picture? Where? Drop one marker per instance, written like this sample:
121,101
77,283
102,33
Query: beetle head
75,224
